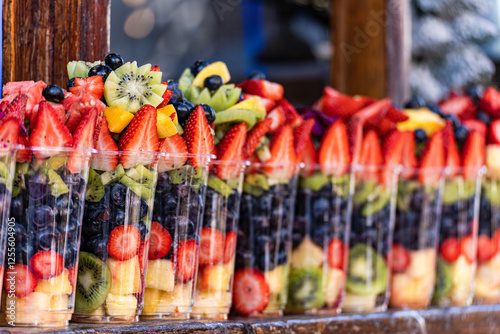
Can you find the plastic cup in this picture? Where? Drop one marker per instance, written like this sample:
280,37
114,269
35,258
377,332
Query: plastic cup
414,251
320,240
218,241
457,260
46,215
173,261
264,239
372,226
115,237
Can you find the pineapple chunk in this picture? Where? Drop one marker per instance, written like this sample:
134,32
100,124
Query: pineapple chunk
408,291
182,295
121,305
125,276
33,302
335,279
217,68
462,272
170,111
165,126
493,160
422,119
359,303
118,118
206,299
307,254
275,279
59,302
151,300
216,278
59,285
422,263
160,275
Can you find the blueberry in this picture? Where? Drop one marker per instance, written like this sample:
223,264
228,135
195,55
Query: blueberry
118,194
185,226
163,183
183,112
213,82
38,187
98,245
209,113
17,209
244,259
102,70
257,75
264,263
416,103
177,97
461,134
118,218
70,228
49,239
198,66
53,93
143,228
420,136
70,256
98,211
114,61
483,117
70,83
189,104
20,236
43,215
282,258
172,84
92,227
23,253
454,120
436,109
475,92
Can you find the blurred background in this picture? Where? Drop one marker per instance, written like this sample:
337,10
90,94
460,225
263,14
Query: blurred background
454,42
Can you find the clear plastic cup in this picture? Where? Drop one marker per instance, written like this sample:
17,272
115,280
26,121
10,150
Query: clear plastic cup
320,240
264,240
46,213
115,237
372,226
457,260
174,242
416,231
218,241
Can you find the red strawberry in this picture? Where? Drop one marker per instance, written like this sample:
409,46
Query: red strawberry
334,155
269,90
495,131
309,158
333,103
253,137
211,246
9,129
3,105
467,248
186,255
278,118
49,130
166,96
373,113
473,155
105,159
365,100
460,106
46,264
231,149
93,85
173,144
140,135
291,115
18,107
143,255
490,102
23,155
268,104
385,127
83,138
486,248
155,68
433,158
475,125
371,155
159,241
400,258
355,130
72,274
25,282
335,254
399,149
453,160
395,115
300,135
250,291
230,246
282,155
124,242
450,249
198,136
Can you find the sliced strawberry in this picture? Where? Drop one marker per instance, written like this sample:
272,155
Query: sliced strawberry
83,138
105,159
280,166
46,264
18,107
278,118
373,113
160,241
9,129
72,274
309,158
453,160
93,85
49,130
495,132
211,246
268,104
395,115
385,127
399,149
335,254
155,68
186,255
250,291
291,115
371,156
460,106
450,249
23,155
486,248
140,135
355,130
467,248
253,137
173,144
334,155
433,158
400,260
300,135
490,102
143,255
263,88
198,136
166,96
475,125
231,149
230,246
3,105
333,103
24,281
473,155
124,242
365,100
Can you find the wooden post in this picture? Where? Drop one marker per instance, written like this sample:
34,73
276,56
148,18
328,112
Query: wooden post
372,44
41,36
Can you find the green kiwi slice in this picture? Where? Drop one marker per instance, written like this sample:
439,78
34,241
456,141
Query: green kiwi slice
457,189
57,185
182,175
131,87
114,175
252,190
142,175
80,69
236,116
367,272
444,280
374,206
305,289
137,188
258,180
93,283
314,182
220,186
95,187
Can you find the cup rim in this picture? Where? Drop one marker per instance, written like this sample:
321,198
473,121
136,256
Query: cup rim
244,163
64,149
276,164
12,147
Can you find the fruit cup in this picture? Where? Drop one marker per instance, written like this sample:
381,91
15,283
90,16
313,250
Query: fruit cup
264,239
456,264
414,250
115,235
320,240
46,212
174,242
372,225
218,240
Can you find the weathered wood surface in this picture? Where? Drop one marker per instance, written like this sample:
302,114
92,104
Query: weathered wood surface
41,36
472,320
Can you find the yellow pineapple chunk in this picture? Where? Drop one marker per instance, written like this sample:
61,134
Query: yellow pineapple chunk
170,111
217,68
118,118
307,254
216,278
121,305
151,300
252,103
125,276
160,275
422,119
275,279
335,279
32,302
59,285
59,302
164,125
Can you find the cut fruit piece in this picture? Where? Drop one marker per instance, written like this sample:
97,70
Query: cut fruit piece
92,85
451,150
112,176
370,156
414,293
301,134
468,247
353,302
46,264
305,289
211,246
160,241
254,137
83,137
218,68
142,175
333,103
433,159
25,280
276,279
215,278
57,185
78,69
160,275
291,115
107,157
93,283
251,103
236,116
124,242
263,88
367,272
334,154
281,165
118,118
473,155
307,254
461,106
170,111
95,187
493,160
400,258
125,276
314,182
123,306
335,253
186,256
230,246
165,126
223,98
230,149
309,158
198,136
422,119
444,280
250,291
220,186
278,119
179,153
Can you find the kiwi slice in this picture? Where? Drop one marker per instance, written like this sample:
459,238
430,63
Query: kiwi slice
252,190
236,116
182,175
53,163
220,186
199,178
137,188
314,182
374,206
80,69
19,181
367,272
142,175
131,87
262,151
491,190
114,175
93,283
57,185
95,187
305,288
457,189
444,280
363,191
258,180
